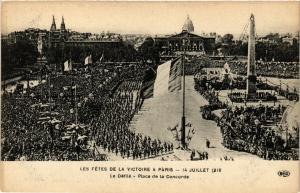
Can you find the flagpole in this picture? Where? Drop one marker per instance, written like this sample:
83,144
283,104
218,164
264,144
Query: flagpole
50,97
75,106
183,104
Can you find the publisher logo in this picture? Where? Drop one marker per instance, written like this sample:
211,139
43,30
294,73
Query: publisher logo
283,173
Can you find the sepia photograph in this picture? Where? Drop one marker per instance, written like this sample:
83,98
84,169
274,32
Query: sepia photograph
109,81
150,97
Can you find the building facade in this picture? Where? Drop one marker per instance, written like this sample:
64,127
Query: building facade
185,41
66,38
57,37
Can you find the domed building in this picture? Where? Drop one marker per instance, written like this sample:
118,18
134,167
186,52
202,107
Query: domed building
188,25
186,40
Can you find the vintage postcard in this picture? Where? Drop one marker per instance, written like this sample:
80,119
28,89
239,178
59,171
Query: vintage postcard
150,96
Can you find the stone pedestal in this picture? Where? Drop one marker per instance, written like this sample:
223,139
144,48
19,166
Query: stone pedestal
251,86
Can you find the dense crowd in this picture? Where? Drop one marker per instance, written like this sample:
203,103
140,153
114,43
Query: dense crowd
249,129
201,155
243,130
211,96
79,115
216,81
193,64
111,126
260,96
263,68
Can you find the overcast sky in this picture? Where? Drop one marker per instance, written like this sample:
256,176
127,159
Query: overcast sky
152,18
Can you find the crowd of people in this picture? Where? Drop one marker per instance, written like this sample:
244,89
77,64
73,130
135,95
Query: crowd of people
211,95
263,68
260,96
227,158
78,115
201,155
217,81
253,129
111,126
243,129
193,64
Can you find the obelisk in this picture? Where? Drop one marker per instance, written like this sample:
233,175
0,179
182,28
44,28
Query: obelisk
251,72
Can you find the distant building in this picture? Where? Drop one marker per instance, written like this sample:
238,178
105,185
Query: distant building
57,36
63,37
30,35
188,25
289,40
194,44
93,43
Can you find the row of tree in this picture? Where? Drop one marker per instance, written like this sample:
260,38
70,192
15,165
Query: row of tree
279,51
112,52
17,55
24,53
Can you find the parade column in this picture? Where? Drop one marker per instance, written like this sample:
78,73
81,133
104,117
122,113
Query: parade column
251,72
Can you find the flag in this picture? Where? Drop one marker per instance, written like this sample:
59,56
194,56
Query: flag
68,66
101,58
88,60
40,45
166,78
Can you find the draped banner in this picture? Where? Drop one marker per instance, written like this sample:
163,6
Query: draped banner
167,78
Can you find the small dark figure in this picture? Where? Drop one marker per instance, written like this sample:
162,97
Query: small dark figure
207,143
192,155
